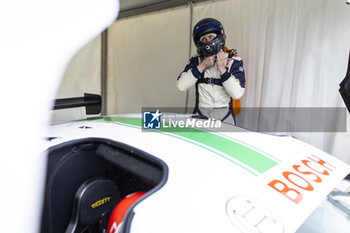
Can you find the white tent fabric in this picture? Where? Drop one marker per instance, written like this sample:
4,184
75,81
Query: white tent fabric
295,54
146,53
82,75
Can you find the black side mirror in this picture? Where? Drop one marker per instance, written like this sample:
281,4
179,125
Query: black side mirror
91,102
345,88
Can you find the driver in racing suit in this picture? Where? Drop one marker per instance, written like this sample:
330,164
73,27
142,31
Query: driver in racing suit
216,72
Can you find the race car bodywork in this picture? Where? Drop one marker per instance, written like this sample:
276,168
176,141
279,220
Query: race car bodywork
203,181
197,180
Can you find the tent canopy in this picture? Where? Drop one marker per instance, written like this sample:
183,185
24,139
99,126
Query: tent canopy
136,7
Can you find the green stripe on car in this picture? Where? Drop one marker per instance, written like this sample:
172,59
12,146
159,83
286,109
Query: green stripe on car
236,152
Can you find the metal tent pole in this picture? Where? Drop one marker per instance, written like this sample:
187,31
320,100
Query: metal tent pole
104,70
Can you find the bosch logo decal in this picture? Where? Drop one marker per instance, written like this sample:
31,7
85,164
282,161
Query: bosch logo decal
302,177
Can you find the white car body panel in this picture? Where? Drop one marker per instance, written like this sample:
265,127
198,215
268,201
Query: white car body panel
41,38
206,185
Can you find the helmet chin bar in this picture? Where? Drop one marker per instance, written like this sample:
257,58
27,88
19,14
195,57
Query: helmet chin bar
209,49
212,47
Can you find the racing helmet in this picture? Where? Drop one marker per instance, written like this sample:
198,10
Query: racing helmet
206,26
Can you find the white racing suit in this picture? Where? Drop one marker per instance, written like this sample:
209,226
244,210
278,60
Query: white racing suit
214,92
